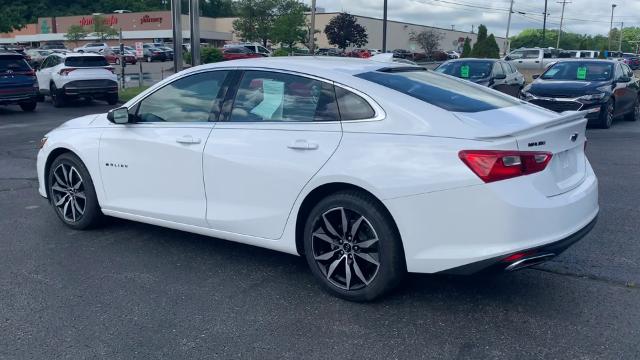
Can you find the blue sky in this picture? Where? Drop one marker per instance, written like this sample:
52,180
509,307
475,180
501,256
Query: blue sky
582,16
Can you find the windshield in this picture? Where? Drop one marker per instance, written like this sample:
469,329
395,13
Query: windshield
579,71
86,61
441,91
467,69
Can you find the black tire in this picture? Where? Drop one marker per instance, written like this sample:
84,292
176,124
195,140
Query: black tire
29,106
367,281
112,99
634,115
57,97
606,115
68,204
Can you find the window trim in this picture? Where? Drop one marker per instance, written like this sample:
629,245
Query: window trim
379,112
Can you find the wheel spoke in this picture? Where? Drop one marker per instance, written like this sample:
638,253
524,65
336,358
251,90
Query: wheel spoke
58,188
355,227
62,200
358,272
77,185
73,208
324,237
329,227
347,272
55,174
65,174
368,243
81,195
80,210
333,267
368,258
327,255
64,210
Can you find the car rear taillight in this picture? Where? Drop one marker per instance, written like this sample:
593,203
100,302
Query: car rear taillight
111,69
495,165
66,71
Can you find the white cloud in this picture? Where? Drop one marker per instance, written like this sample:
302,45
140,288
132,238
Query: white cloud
581,16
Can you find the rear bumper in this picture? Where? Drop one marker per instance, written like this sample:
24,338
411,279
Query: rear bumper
523,258
449,229
90,87
19,97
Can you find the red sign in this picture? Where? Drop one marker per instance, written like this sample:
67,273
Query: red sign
149,19
109,21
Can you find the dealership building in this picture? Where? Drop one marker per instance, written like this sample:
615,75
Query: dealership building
156,26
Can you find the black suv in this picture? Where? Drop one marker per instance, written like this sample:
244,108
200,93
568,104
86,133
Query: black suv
18,83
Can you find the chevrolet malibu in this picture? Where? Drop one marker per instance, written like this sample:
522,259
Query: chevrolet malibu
368,169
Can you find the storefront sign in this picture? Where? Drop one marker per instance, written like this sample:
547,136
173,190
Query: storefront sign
148,19
109,21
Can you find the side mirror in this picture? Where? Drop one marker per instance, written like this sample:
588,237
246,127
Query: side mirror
499,77
36,67
507,58
623,79
535,76
119,115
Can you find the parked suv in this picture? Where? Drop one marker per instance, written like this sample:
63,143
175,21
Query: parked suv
493,73
64,76
91,47
18,84
532,58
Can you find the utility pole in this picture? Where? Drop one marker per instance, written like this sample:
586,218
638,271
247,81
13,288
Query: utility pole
312,31
384,27
473,28
507,43
620,44
563,2
194,22
544,23
613,6
176,15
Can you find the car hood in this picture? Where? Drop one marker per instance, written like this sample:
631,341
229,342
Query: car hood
548,88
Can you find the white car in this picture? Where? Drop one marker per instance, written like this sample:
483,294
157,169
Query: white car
91,47
375,52
368,169
255,47
65,76
452,54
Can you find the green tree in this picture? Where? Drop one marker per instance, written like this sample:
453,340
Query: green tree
466,48
289,24
255,20
101,30
76,33
492,50
343,31
479,47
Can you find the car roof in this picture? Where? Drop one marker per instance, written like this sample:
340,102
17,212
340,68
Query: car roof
321,66
74,54
473,60
586,60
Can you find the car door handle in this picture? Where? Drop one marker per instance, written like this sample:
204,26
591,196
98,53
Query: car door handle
187,139
302,145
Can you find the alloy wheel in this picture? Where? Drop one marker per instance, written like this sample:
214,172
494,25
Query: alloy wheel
68,192
346,248
610,111
636,111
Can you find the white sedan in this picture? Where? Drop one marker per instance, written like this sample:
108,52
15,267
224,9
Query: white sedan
368,169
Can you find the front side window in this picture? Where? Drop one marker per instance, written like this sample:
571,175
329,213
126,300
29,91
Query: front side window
441,91
272,96
189,99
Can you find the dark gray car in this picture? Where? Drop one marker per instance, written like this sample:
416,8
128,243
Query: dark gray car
496,74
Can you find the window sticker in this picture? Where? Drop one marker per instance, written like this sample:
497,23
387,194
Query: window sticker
464,71
272,98
582,73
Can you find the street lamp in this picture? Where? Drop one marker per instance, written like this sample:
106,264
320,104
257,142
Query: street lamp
613,6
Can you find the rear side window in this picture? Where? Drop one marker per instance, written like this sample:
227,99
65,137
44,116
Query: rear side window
352,106
441,91
273,96
13,63
86,61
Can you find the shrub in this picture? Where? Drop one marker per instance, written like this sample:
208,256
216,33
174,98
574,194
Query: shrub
208,55
281,52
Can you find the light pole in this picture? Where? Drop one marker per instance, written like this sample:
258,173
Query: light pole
194,20
384,27
613,6
620,44
312,31
176,14
544,23
564,2
507,43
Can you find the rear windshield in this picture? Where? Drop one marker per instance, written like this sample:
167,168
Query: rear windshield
467,69
441,91
579,71
86,61
13,63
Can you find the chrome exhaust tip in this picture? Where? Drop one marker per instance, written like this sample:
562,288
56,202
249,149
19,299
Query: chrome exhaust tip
529,261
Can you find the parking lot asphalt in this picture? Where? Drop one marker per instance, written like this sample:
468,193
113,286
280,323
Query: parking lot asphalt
130,290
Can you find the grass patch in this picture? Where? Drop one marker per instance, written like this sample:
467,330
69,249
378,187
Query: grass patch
129,93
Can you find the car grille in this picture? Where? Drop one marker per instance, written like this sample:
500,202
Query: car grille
558,106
